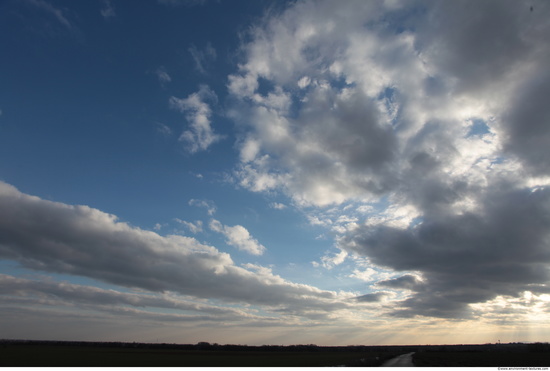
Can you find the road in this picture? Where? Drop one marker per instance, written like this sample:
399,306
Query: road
404,360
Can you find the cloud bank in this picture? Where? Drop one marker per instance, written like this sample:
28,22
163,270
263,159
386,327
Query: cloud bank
430,120
82,241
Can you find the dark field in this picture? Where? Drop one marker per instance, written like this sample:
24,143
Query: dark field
16,355
493,358
25,353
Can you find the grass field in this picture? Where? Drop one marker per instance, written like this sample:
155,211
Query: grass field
481,359
15,355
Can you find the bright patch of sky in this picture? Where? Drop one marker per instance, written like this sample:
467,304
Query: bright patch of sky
291,172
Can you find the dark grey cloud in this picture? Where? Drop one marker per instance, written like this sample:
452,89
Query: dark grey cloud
353,130
496,52
374,297
407,281
79,240
425,180
352,133
500,244
74,293
502,249
527,122
390,115
480,43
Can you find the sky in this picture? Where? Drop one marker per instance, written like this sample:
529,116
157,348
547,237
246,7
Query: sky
269,172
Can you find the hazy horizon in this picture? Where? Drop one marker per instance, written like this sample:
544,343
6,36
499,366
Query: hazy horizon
275,172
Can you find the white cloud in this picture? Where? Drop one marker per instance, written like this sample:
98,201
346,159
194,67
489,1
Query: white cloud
334,133
197,112
193,227
315,220
367,275
239,237
330,261
277,206
526,308
257,177
387,118
107,11
205,204
304,82
203,57
79,240
360,117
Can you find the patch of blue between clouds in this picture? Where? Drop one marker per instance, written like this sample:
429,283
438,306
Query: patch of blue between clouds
478,127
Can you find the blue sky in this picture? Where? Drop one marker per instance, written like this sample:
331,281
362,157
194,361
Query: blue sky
270,172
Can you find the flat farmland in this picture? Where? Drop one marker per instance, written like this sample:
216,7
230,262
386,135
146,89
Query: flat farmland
481,359
15,355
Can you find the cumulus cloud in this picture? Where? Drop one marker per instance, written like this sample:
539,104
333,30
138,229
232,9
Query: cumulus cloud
239,237
427,123
197,112
500,250
371,98
331,125
79,240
